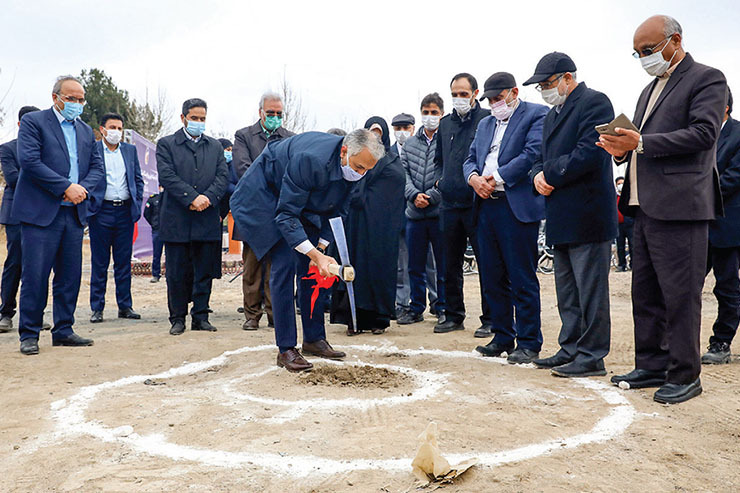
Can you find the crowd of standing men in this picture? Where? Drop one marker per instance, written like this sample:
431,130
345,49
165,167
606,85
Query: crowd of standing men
484,177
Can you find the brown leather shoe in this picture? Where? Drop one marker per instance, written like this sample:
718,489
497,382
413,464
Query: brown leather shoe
251,324
293,361
322,349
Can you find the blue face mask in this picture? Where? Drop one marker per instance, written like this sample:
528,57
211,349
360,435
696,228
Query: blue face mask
195,129
71,110
228,156
349,174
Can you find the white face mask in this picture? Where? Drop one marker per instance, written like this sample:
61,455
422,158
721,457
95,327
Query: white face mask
461,105
502,110
655,64
402,136
349,174
553,96
619,188
430,122
113,137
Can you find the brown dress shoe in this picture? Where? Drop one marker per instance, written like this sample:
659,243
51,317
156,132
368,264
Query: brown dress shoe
292,360
251,324
322,349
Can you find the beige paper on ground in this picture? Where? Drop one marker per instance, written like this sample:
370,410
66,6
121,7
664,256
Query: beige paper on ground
429,465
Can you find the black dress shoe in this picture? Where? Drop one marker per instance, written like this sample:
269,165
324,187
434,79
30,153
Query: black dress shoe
522,356
553,361
178,327
640,379
96,317
574,369
718,353
448,326
673,393
128,313
202,325
484,331
494,350
72,340
409,318
30,346
6,324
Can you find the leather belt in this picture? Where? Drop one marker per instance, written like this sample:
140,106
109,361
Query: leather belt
497,195
117,203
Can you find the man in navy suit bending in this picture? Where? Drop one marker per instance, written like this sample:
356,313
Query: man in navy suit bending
59,164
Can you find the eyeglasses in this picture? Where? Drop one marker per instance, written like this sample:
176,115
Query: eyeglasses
70,99
273,113
650,51
548,84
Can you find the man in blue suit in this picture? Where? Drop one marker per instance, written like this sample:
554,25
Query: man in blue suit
507,214
115,206
282,206
59,164
11,279
575,176
724,242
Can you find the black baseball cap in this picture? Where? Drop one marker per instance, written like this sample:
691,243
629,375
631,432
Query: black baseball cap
225,142
497,83
403,119
551,64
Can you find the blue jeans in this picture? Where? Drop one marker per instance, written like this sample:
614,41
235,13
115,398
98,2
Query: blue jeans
156,254
419,235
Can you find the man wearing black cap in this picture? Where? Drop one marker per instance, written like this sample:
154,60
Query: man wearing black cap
507,215
456,132
575,176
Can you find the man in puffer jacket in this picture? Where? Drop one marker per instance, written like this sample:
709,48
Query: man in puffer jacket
422,209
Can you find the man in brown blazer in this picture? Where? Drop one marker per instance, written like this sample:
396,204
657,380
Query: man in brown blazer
672,190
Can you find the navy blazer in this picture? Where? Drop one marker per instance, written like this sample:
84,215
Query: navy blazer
583,206
520,150
293,183
133,178
724,232
43,159
9,163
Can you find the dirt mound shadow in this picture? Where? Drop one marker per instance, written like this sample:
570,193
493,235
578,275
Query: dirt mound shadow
354,376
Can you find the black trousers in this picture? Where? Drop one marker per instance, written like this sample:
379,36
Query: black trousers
457,226
668,270
191,268
726,263
624,239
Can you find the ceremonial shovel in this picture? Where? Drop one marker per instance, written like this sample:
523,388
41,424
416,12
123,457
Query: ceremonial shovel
345,271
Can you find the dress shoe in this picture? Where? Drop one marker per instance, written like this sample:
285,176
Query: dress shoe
622,268
270,322
72,340
448,326
574,369
292,361
154,279
640,379
521,356
377,331
718,353
204,325
6,323
240,309
484,331
30,346
322,349
494,350
96,317
178,327
553,361
409,318
673,393
128,313
250,324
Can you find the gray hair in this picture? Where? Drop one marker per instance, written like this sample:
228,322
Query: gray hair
360,139
671,26
61,80
337,131
270,96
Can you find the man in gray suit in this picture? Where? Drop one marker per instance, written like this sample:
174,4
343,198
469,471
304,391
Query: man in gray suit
248,144
672,190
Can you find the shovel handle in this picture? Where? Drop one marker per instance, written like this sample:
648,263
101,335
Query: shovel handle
347,274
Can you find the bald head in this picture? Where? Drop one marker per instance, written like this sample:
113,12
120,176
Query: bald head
660,32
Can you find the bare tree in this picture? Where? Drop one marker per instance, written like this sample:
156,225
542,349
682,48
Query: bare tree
295,117
150,120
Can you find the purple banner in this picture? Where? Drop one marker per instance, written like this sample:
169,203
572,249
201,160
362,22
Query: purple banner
147,159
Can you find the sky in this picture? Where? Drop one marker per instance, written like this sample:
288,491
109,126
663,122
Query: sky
348,60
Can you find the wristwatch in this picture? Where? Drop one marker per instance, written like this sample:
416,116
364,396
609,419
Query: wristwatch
639,149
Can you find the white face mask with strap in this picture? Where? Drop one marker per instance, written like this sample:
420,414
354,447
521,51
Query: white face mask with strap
349,174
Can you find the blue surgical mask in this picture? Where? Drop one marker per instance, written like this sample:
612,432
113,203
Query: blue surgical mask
228,156
349,174
195,129
71,110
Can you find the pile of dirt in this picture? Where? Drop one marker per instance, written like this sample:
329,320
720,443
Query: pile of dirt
354,376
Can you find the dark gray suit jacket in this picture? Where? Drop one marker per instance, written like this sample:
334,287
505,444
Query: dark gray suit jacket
677,172
249,143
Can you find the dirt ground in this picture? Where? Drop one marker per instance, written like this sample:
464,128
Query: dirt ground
237,423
